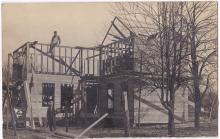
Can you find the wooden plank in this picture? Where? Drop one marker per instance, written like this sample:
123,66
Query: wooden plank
59,63
53,62
63,46
81,61
123,24
29,104
118,30
41,59
84,66
21,47
127,117
75,63
47,57
28,57
100,61
108,31
104,64
88,62
34,59
73,60
127,39
79,65
116,37
65,59
95,55
92,125
93,62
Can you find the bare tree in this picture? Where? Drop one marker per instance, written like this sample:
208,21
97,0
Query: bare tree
201,20
161,39
178,39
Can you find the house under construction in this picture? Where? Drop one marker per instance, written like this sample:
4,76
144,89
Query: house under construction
91,81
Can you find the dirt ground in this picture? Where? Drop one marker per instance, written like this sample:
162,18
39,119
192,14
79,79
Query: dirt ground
207,129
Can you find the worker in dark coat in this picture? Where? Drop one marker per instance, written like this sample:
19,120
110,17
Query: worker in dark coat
51,116
55,41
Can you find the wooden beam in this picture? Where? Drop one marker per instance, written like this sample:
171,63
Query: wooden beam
132,46
41,58
116,37
80,62
93,62
118,41
126,113
123,24
92,125
84,66
34,59
20,48
65,59
118,30
104,61
47,57
29,103
108,31
86,48
107,60
100,61
61,61
53,62
81,65
28,57
73,60
62,46
94,55
88,61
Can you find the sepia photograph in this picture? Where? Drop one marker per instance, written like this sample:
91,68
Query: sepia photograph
109,69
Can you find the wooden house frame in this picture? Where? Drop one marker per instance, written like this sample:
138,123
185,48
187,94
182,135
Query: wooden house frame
97,78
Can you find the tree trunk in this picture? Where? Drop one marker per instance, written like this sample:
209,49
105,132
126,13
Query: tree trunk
195,70
171,125
197,106
197,96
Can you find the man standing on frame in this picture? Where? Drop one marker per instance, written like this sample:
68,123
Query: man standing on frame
55,41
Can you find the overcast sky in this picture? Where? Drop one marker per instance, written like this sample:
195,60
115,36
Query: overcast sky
78,24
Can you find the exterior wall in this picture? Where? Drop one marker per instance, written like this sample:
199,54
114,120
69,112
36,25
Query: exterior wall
36,93
151,115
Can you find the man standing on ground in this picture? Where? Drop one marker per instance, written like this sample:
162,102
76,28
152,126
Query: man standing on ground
51,116
55,41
